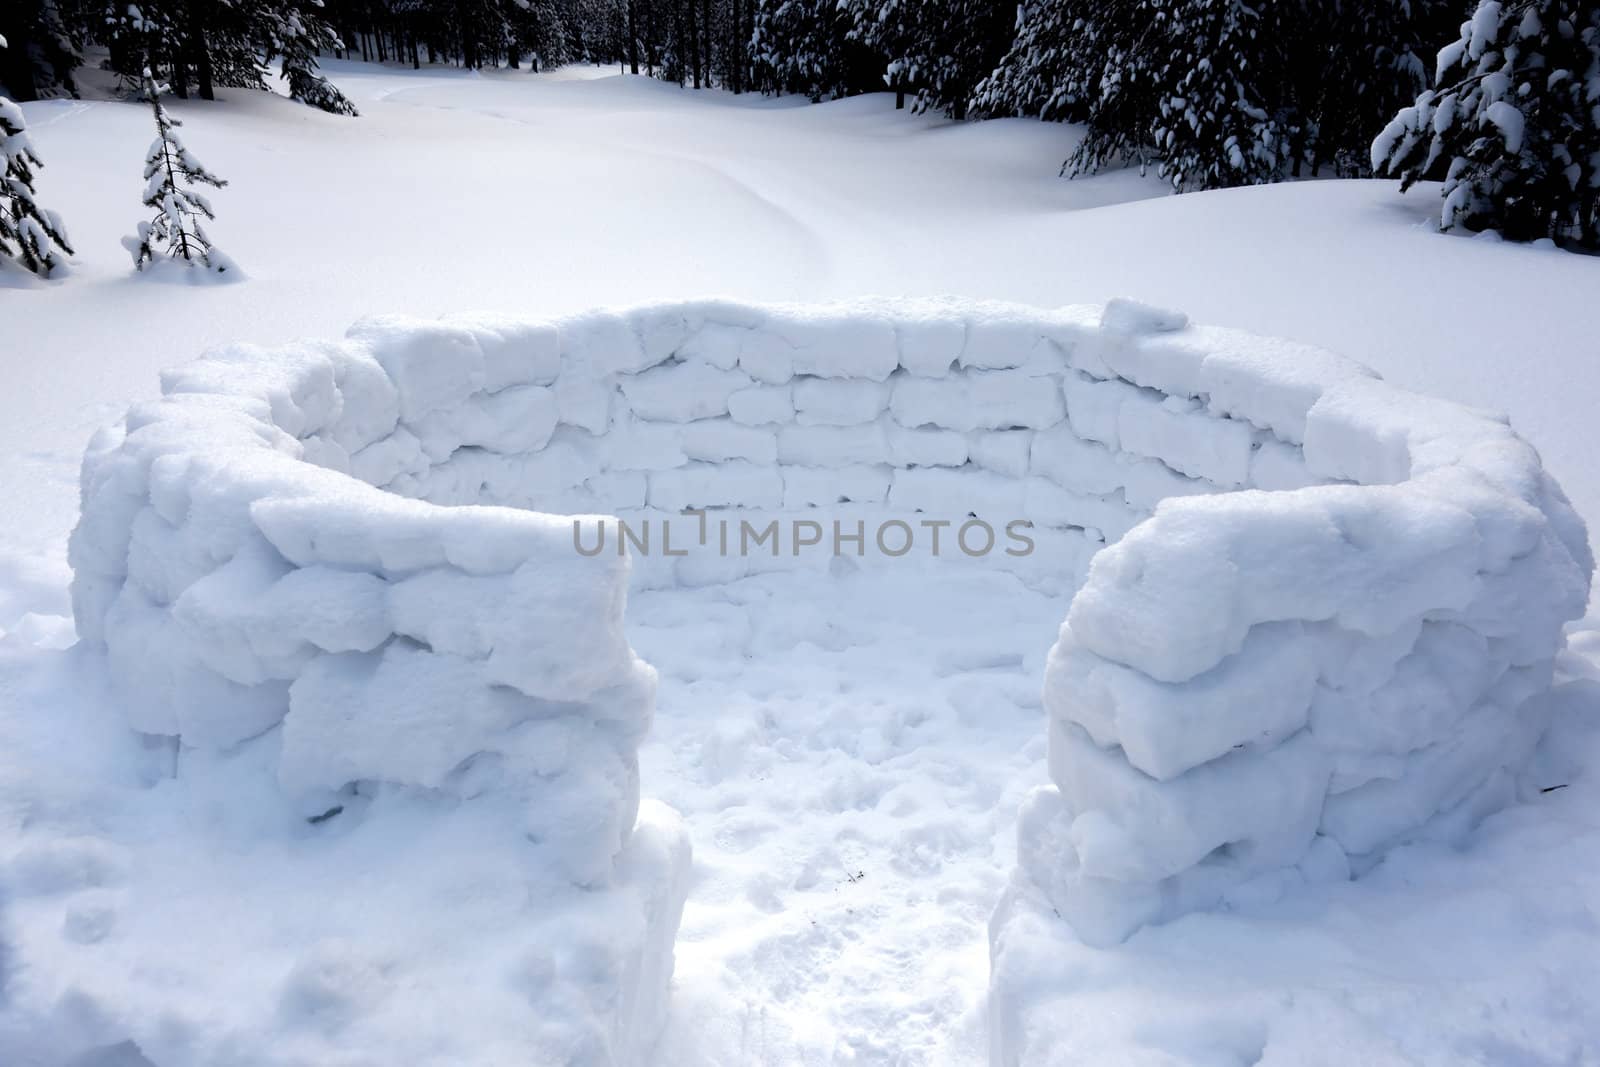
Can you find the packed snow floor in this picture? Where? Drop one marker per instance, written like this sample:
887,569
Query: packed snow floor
848,754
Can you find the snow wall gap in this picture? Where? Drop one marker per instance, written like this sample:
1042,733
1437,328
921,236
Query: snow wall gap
1323,609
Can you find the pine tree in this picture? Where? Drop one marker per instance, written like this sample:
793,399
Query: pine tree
1045,73
798,47
943,48
298,38
30,234
169,170
1216,92
1351,65
1513,127
1120,48
206,44
541,32
1215,98
46,47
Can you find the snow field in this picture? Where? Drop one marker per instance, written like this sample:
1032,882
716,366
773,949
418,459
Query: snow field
1254,689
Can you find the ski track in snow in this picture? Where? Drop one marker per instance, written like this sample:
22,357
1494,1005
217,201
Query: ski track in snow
849,755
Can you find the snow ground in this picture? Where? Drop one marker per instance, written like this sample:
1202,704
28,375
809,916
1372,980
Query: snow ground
848,756
850,763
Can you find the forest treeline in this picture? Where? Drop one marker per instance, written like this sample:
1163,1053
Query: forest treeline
1500,99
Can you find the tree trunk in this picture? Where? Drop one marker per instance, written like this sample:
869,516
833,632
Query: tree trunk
180,75
705,37
633,35
469,45
677,40
741,45
694,41
733,80
469,40
195,45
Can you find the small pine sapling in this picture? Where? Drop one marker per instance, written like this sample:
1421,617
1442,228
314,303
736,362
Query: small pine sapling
170,170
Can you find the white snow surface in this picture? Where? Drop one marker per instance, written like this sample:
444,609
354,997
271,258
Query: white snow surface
850,754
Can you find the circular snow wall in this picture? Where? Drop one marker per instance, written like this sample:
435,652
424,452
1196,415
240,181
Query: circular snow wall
1322,642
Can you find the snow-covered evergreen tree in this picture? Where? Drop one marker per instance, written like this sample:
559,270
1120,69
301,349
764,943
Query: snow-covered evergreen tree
170,170
541,33
1216,92
200,45
298,37
1214,123
941,48
45,49
1351,64
1121,47
797,46
1513,126
1190,85
1045,73
30,234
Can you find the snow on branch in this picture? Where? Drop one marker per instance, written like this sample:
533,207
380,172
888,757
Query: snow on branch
32,235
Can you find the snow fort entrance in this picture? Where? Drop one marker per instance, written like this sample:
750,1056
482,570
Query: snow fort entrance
1308,610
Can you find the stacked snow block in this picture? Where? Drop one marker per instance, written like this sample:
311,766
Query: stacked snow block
1262,688
1321,627
248,591
853,414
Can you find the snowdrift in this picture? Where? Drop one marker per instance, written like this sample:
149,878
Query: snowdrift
1323,611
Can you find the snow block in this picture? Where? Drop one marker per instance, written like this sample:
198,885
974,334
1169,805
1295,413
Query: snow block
705,485
682,392
838,401
432,365
808,487
981,400
833,446
762,405
926,448
515,352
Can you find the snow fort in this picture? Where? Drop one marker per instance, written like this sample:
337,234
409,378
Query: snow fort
1308,610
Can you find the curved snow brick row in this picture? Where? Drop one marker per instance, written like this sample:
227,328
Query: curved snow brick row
248,591
1259,685
1256,690
1321,632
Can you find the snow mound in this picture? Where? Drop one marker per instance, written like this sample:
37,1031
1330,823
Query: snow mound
1324,611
